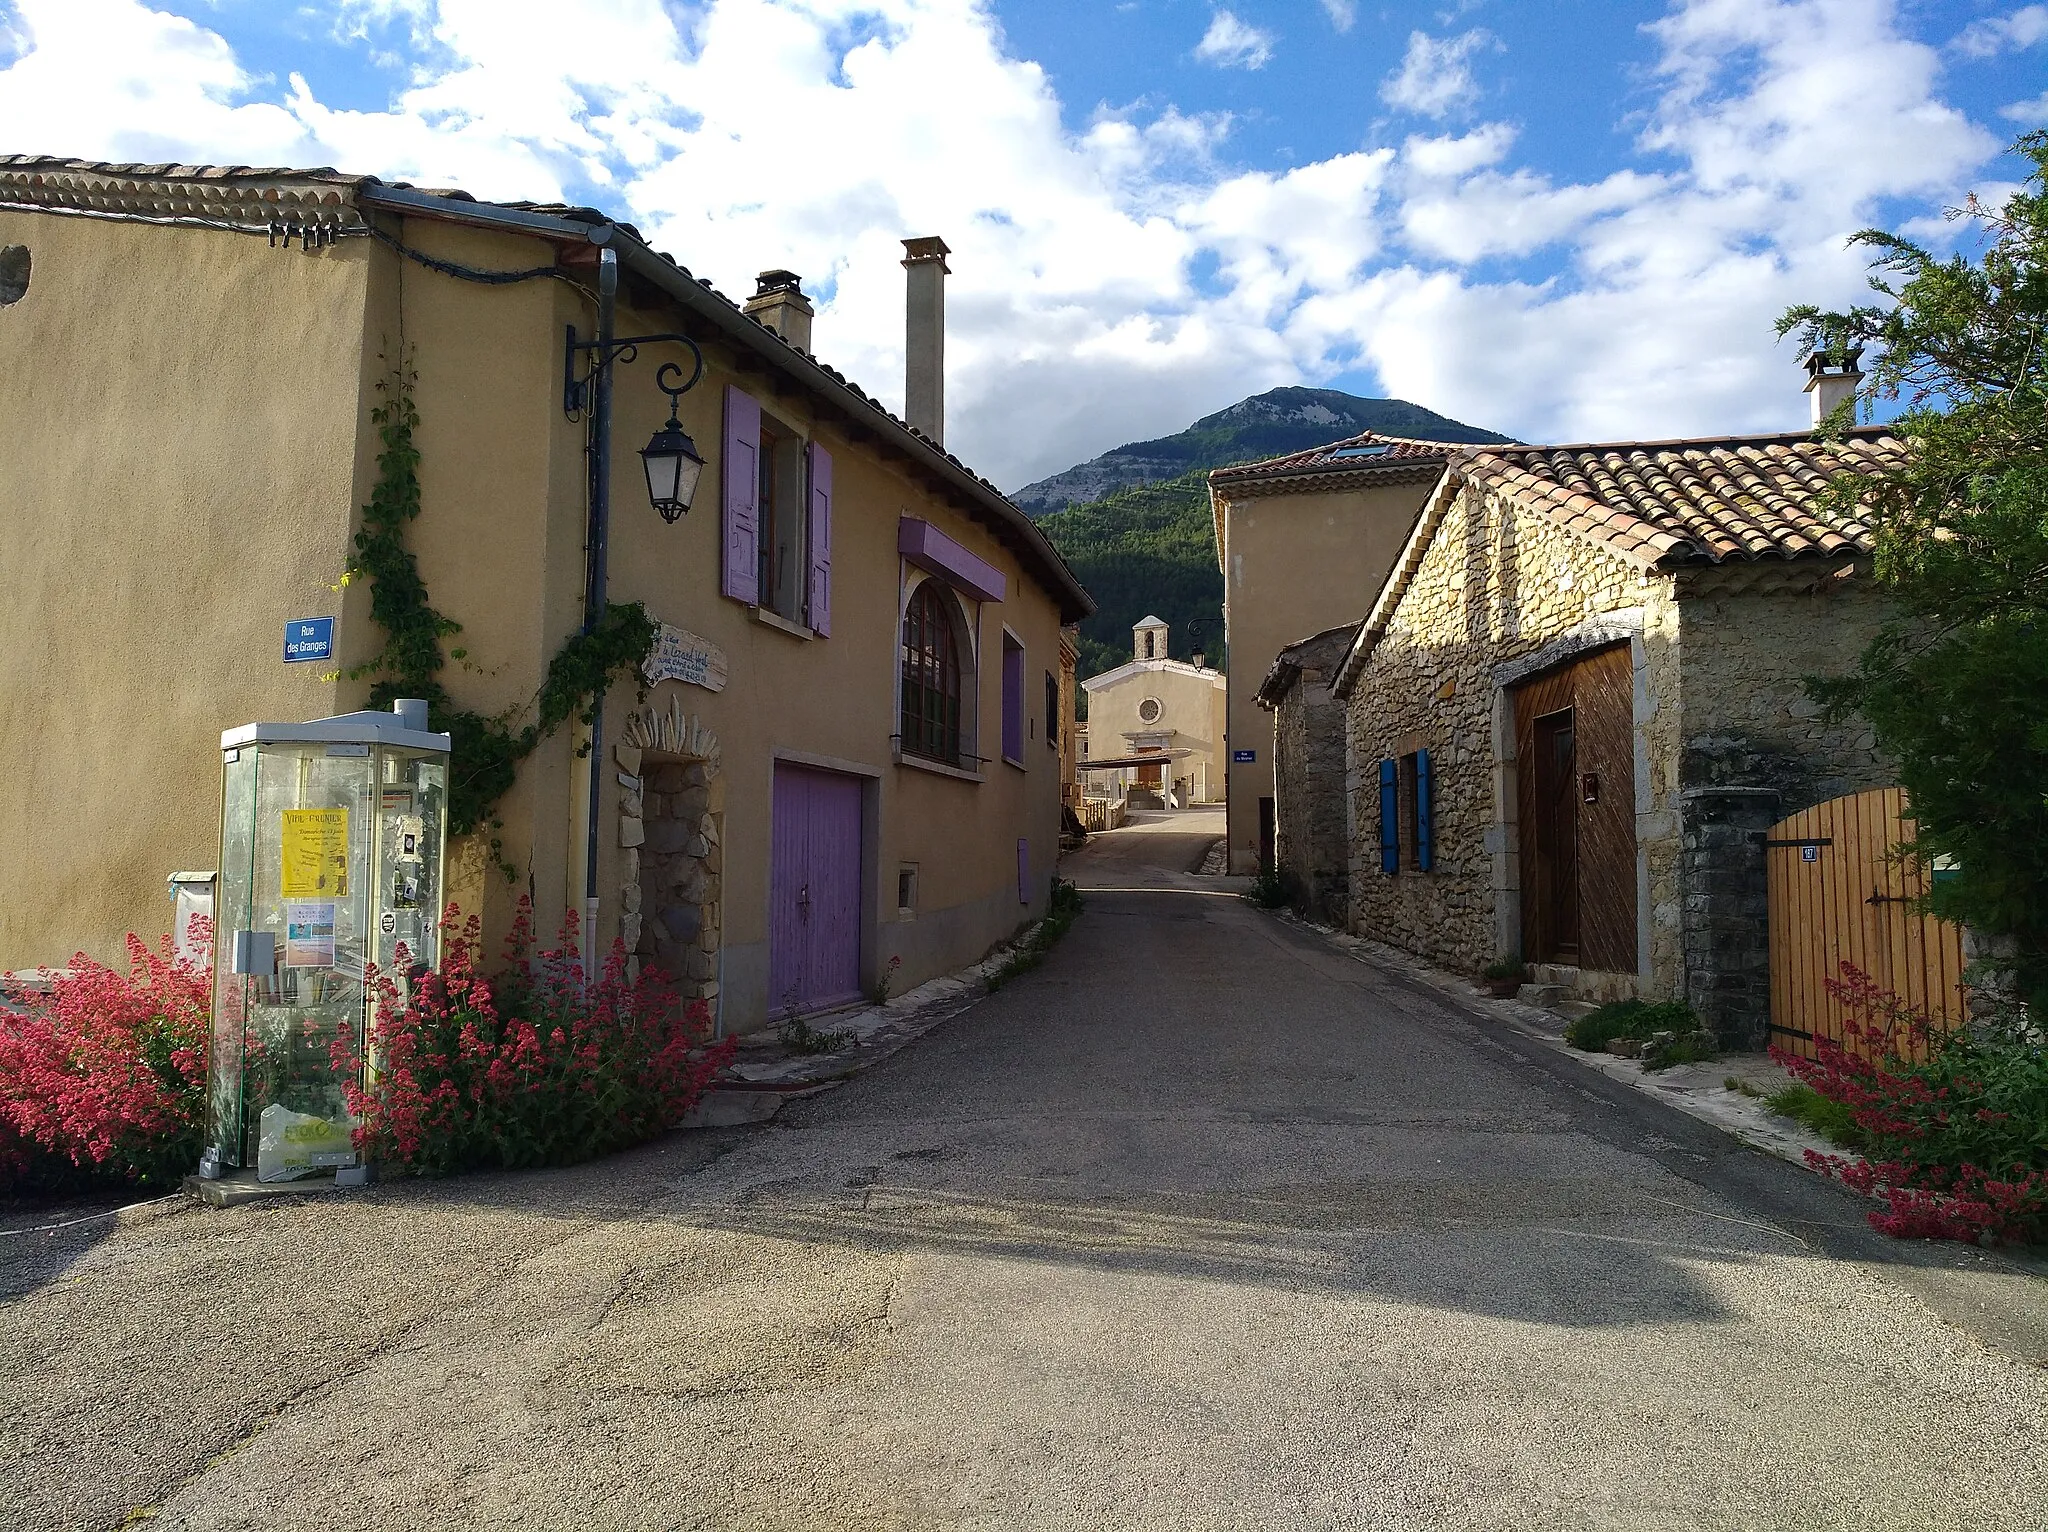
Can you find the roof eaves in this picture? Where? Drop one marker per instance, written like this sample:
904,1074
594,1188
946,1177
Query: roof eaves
1279,681
697,295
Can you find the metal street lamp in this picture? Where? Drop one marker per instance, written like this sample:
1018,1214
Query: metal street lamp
671,459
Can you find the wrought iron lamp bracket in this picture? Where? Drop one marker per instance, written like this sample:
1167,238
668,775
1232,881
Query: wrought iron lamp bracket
625,348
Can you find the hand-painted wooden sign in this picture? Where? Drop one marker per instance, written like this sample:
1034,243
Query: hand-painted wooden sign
680,655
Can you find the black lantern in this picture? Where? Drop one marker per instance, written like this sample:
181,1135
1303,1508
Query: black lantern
671,459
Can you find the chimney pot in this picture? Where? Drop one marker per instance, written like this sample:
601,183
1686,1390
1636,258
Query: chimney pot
1832,378
924,336
779,303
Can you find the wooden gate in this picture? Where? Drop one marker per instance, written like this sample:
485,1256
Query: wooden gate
1838,892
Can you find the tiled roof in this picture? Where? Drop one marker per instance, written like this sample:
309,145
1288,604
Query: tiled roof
1714,500
1664,505
1318,649
248,197
1354,454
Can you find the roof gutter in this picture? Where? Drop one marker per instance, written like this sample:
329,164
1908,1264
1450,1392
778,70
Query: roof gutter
488,215
743,333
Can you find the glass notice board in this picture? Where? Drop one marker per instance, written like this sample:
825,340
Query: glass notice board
331,866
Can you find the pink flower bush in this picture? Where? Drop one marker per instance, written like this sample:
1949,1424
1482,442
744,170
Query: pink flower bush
1954,1125
103,1072
530,1066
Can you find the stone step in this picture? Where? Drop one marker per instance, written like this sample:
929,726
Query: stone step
1548,996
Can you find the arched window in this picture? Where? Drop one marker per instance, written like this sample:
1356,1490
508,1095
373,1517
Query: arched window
931,678
1148,646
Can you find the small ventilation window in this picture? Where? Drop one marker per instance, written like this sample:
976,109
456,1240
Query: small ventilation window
1149,710
13,273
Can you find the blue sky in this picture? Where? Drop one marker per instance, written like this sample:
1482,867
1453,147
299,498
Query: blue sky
1563,220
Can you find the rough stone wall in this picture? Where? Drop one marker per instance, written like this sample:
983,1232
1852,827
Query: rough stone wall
1308,789
1756,749
1497,583
671,831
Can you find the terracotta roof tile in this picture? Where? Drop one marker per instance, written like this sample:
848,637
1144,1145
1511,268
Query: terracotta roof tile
1714,500
1354,454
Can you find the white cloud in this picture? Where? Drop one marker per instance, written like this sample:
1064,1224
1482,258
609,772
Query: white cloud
1233,44
1999,34
2027,113
1115,281
1435,77
1343,13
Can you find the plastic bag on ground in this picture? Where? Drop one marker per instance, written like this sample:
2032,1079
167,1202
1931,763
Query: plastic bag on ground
292,1144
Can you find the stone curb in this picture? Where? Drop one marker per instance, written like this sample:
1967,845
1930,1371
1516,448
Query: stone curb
1744,1118
878,1031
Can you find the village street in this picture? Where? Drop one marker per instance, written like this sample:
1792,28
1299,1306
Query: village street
1203,1224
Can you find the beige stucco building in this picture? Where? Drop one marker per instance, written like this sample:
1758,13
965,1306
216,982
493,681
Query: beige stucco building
1578,703
854,622
1304,542
1157,706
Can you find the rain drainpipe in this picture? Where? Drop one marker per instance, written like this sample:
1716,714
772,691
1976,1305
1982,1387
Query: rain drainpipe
594,591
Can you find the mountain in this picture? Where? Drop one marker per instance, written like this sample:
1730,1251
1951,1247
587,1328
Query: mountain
1134,523
1265,425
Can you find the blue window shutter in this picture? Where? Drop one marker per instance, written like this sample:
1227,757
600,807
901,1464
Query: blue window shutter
1390,820
741,465
821,541
1424,839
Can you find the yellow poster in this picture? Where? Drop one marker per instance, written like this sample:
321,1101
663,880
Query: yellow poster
315,853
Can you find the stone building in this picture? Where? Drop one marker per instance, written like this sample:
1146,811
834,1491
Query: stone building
1578,701
1159,723
1311,847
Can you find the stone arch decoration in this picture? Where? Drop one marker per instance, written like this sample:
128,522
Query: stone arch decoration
671,831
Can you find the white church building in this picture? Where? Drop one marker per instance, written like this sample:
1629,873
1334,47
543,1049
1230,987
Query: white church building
1155,728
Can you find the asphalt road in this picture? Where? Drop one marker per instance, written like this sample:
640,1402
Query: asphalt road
1200,1225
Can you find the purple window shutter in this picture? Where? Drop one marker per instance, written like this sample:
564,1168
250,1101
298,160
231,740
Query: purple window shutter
1013,700
821,541
1023,872
742,520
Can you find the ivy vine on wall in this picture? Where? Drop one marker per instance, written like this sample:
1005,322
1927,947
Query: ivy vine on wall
486,748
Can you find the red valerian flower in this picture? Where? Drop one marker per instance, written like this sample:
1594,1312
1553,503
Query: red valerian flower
106,1071
528,1066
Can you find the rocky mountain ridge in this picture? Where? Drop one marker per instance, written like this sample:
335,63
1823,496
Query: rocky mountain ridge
1265,425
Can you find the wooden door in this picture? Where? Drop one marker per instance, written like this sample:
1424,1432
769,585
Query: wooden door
1839,893
1604,798
1557,836
1575,791
814,891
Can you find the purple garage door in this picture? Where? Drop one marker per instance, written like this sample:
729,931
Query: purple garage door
814,893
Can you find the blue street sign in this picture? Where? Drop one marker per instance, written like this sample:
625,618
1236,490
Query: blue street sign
1244,757
308,638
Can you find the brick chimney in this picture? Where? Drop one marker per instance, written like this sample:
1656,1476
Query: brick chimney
780,304
924,335
1831,378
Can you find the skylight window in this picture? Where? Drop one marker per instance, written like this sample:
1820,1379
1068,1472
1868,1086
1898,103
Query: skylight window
1378,451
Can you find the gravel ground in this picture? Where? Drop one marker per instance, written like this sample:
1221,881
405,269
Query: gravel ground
1200,1225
